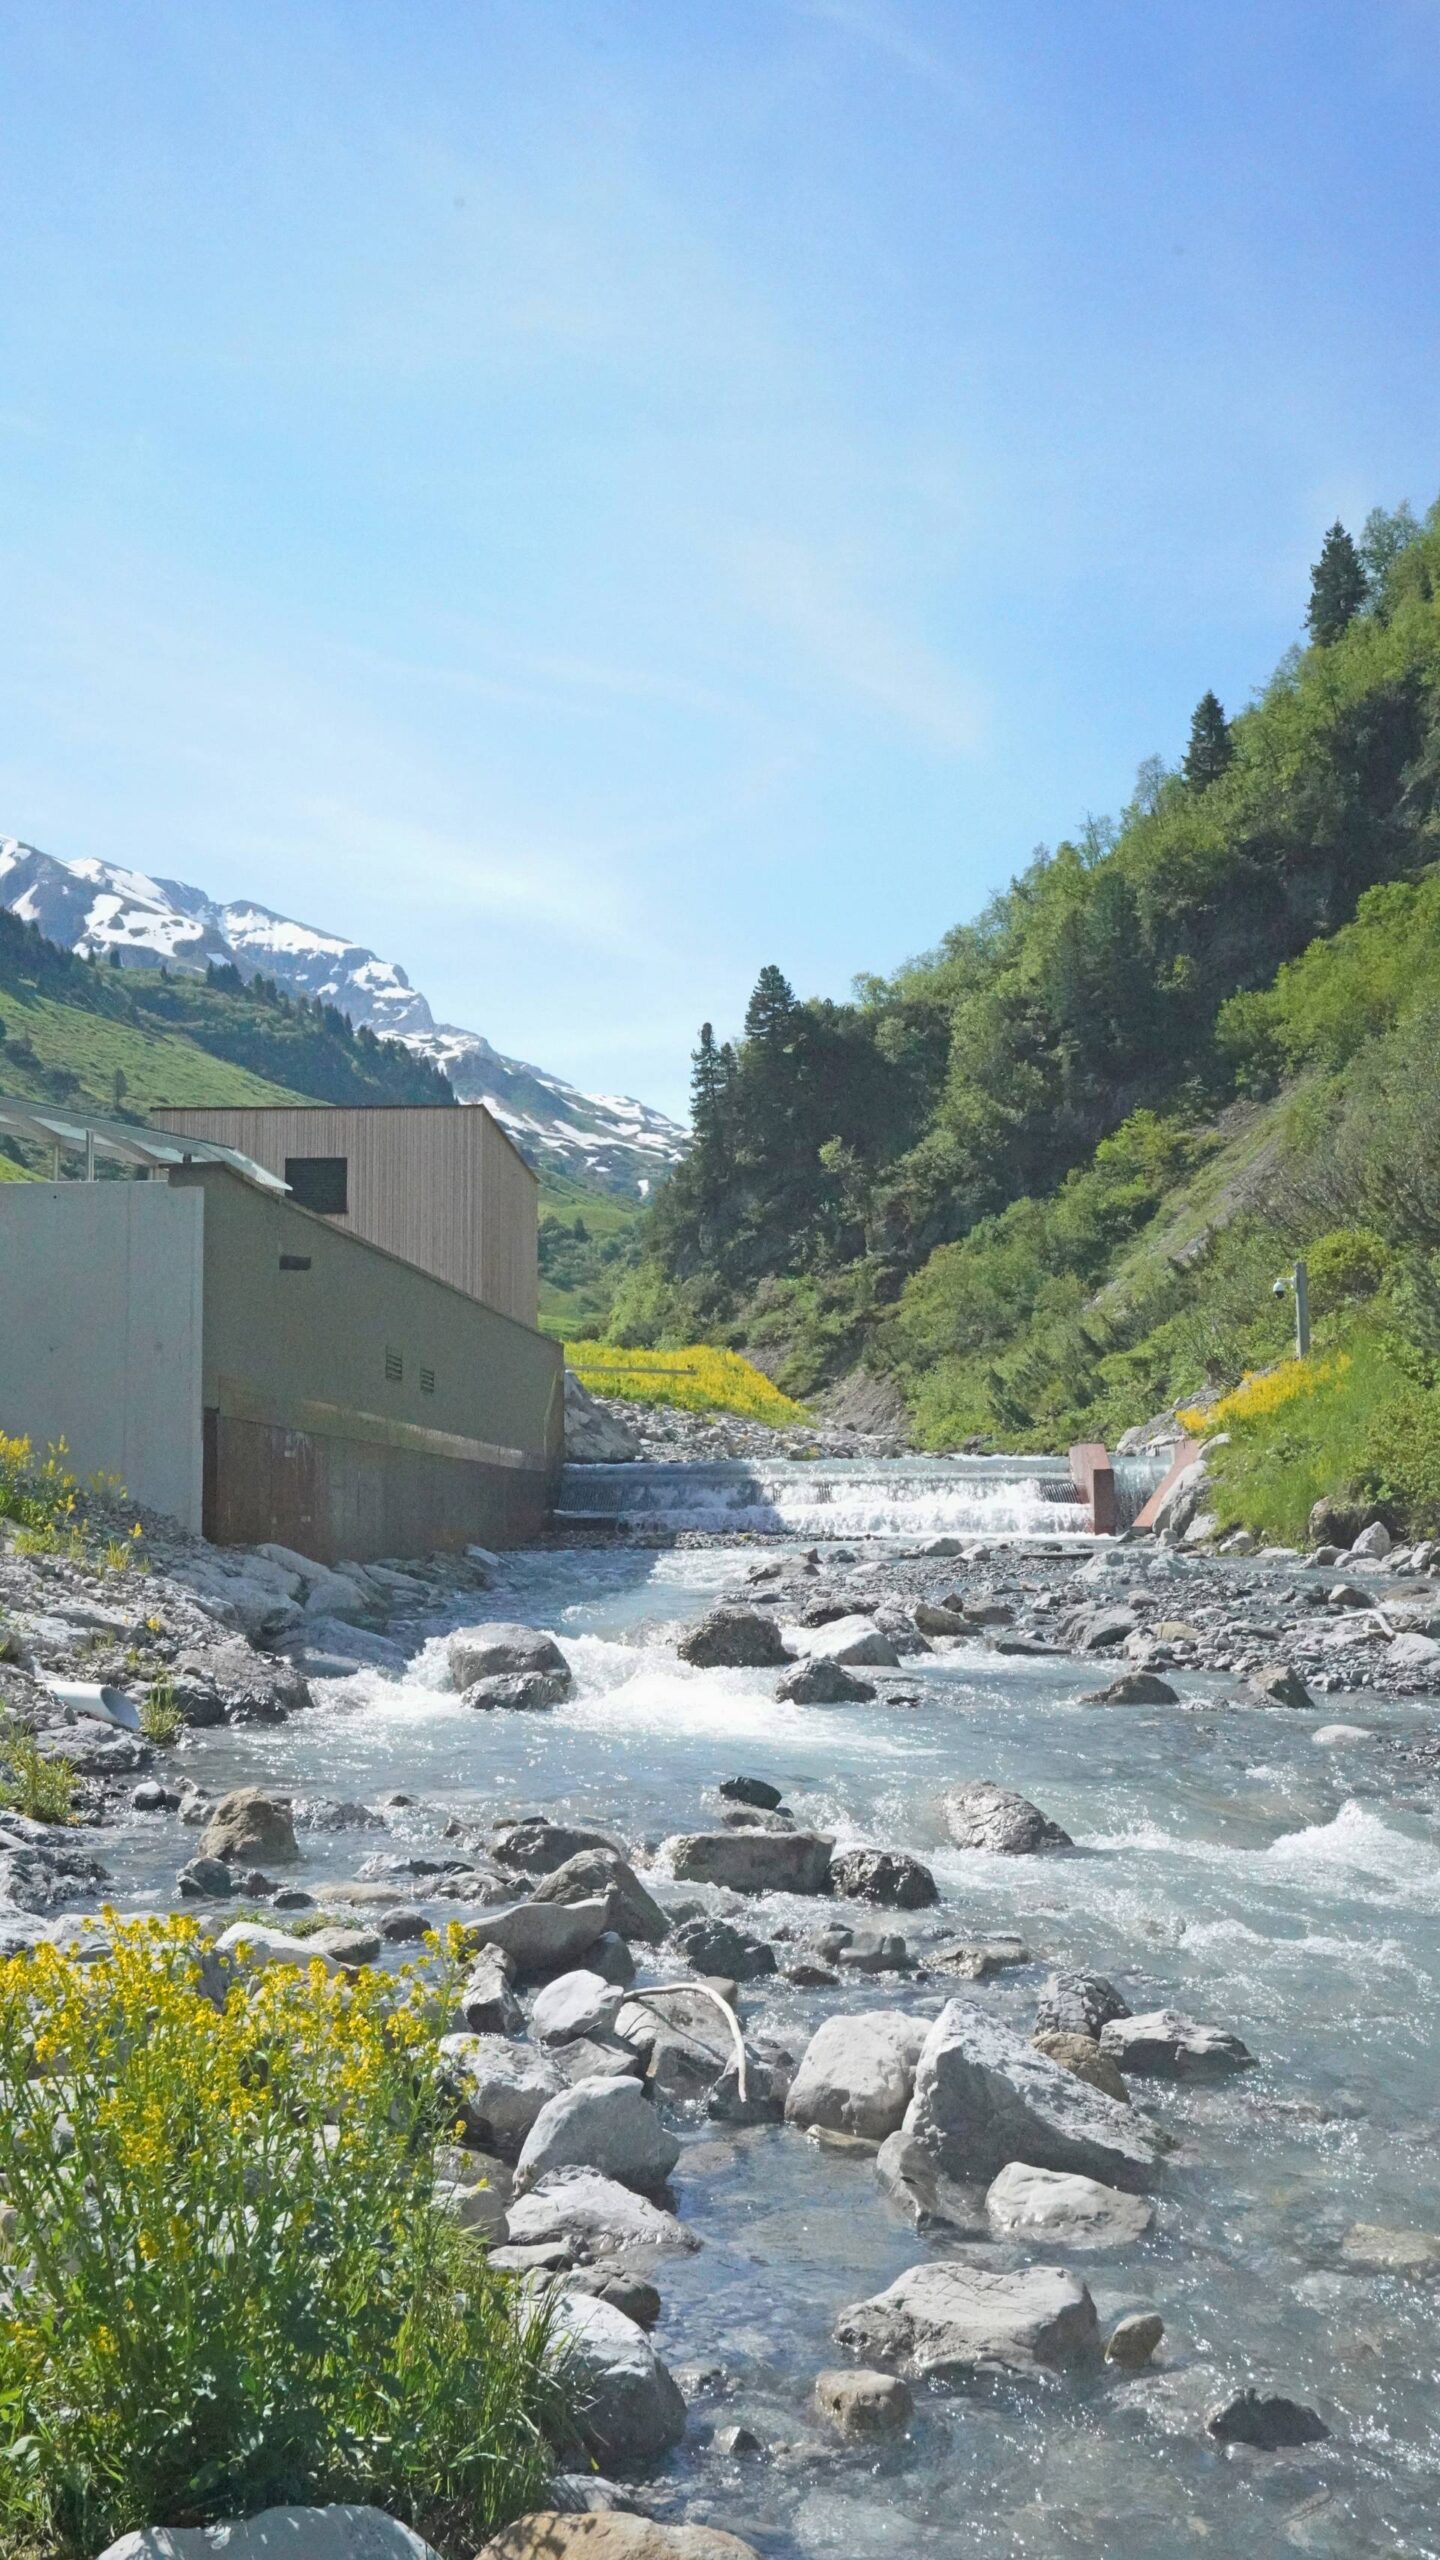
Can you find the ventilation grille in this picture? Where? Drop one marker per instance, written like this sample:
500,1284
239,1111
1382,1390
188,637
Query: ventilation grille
394,1366
427,1382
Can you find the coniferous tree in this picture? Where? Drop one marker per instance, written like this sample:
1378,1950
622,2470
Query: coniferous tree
708,1083
1337,587
1211,745
771,1011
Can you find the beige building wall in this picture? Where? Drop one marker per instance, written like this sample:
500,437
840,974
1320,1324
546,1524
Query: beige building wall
441,1186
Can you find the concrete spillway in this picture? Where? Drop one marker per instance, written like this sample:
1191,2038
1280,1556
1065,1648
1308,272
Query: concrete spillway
847,1497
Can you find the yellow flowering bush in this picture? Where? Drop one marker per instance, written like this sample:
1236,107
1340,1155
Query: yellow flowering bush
1265,1391
42,1497
700,1379
226,2284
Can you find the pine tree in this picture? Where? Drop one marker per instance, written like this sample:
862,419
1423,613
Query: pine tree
708,1087
1211,745
1337,587
772,1009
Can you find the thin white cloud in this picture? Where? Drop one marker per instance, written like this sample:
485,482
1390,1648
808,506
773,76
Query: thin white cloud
857,647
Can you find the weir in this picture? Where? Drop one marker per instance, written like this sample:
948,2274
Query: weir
847,1497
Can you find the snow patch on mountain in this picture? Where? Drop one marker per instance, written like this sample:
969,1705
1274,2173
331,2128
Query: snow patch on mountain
97,908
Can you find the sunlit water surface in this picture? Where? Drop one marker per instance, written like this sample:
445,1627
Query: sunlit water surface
1225,1865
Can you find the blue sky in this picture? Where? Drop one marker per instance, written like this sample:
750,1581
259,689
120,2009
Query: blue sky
589,496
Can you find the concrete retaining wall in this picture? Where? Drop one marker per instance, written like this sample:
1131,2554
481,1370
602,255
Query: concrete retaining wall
101,1331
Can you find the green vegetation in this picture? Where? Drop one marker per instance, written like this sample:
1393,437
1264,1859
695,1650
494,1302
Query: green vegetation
235,2288
40,1788
589,1239
160,1718
1046,1175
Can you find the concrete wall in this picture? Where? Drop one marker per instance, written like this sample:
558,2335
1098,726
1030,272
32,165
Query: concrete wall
440,1186
356,1406
100,1331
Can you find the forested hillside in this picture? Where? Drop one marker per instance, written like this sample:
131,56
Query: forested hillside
1045,1174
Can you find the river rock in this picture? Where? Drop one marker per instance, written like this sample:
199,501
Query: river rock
472,2207
1073,2212
625,2403
544,1937
1278,1684
1380,2251
499,2088
854,1641
933,1618
857,2075
866,1950
502,1653
597,2218
574,2004
630,2292
975,1959
205,1880
984,2097
1133,2341
612,2537
253,1947
540,1847
1334,1737
718,1946
586,2058
734,1638
593,1436
300,2533
946,2321
887,1876
1165,2046
597,1871
1083,2056
1077,2004
818,1683
752,1791
1134,1689
1412,1653
754,1861
1270,2423
518,1692
984,1816
350,1947
864,2405
607,2125
248,1825
1373,1543
487,2005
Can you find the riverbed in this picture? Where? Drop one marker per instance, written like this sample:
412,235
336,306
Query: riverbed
1224,1865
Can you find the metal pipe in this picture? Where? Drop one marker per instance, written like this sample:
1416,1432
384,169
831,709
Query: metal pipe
1302,1312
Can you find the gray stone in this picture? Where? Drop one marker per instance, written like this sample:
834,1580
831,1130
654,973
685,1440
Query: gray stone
1132,2342
249,1824
975,1959
734,1638
627,2406
253,1947
1270,2424
279,2533
595,1871
550,2536
1412,1653
947,2321
934,1619
754,1861
1083,2056
596,2217
816,1683
1278,1684
349,1947
718,1946
1078,2004
864,2405
886,1876
501,1652
1166,2046
487,2005
1373,1543
1074,2212
611,1958
857,2075
855,1641
593,1436
984,2097
984,1816
540,1847
607,2125
1134,1689
518,1692
498,2088
206,1880
584,2058
751,1791
622,2286
574,2004
544,1937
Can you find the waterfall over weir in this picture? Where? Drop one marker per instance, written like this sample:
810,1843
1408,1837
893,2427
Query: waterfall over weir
844,1497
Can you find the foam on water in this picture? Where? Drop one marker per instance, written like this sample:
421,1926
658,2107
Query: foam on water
838,1498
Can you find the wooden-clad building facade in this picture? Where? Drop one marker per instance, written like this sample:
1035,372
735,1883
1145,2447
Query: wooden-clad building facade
439,1185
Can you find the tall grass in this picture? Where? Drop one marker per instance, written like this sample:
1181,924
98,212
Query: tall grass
699,1379
228,2284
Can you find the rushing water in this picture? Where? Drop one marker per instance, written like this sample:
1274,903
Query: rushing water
1226,1866
849,1497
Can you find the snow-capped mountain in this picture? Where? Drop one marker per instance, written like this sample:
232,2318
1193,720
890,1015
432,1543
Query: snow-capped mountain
98,907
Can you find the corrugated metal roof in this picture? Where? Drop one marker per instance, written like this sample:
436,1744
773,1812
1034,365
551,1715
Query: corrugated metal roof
126,1141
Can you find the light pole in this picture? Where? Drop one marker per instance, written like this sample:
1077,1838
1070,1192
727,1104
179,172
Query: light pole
1299,1281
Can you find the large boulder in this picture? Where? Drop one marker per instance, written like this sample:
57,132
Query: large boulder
487,2005
553,2536
864,2405
1168,2047
718,1946
857,2075
984,2097
252,1947
283,2533
596,2218
945,2321
1270,2423
754,1861
498,2088
607,2125
538,1846
249,1827
887,1876
1055,2205
518,1692
594,1436
1278,1684
817,1683
501,1652
1082,2055
574,2004
544,1937
734,1638
855,1641
984,1816
625,2405
598,1871
1077,2004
